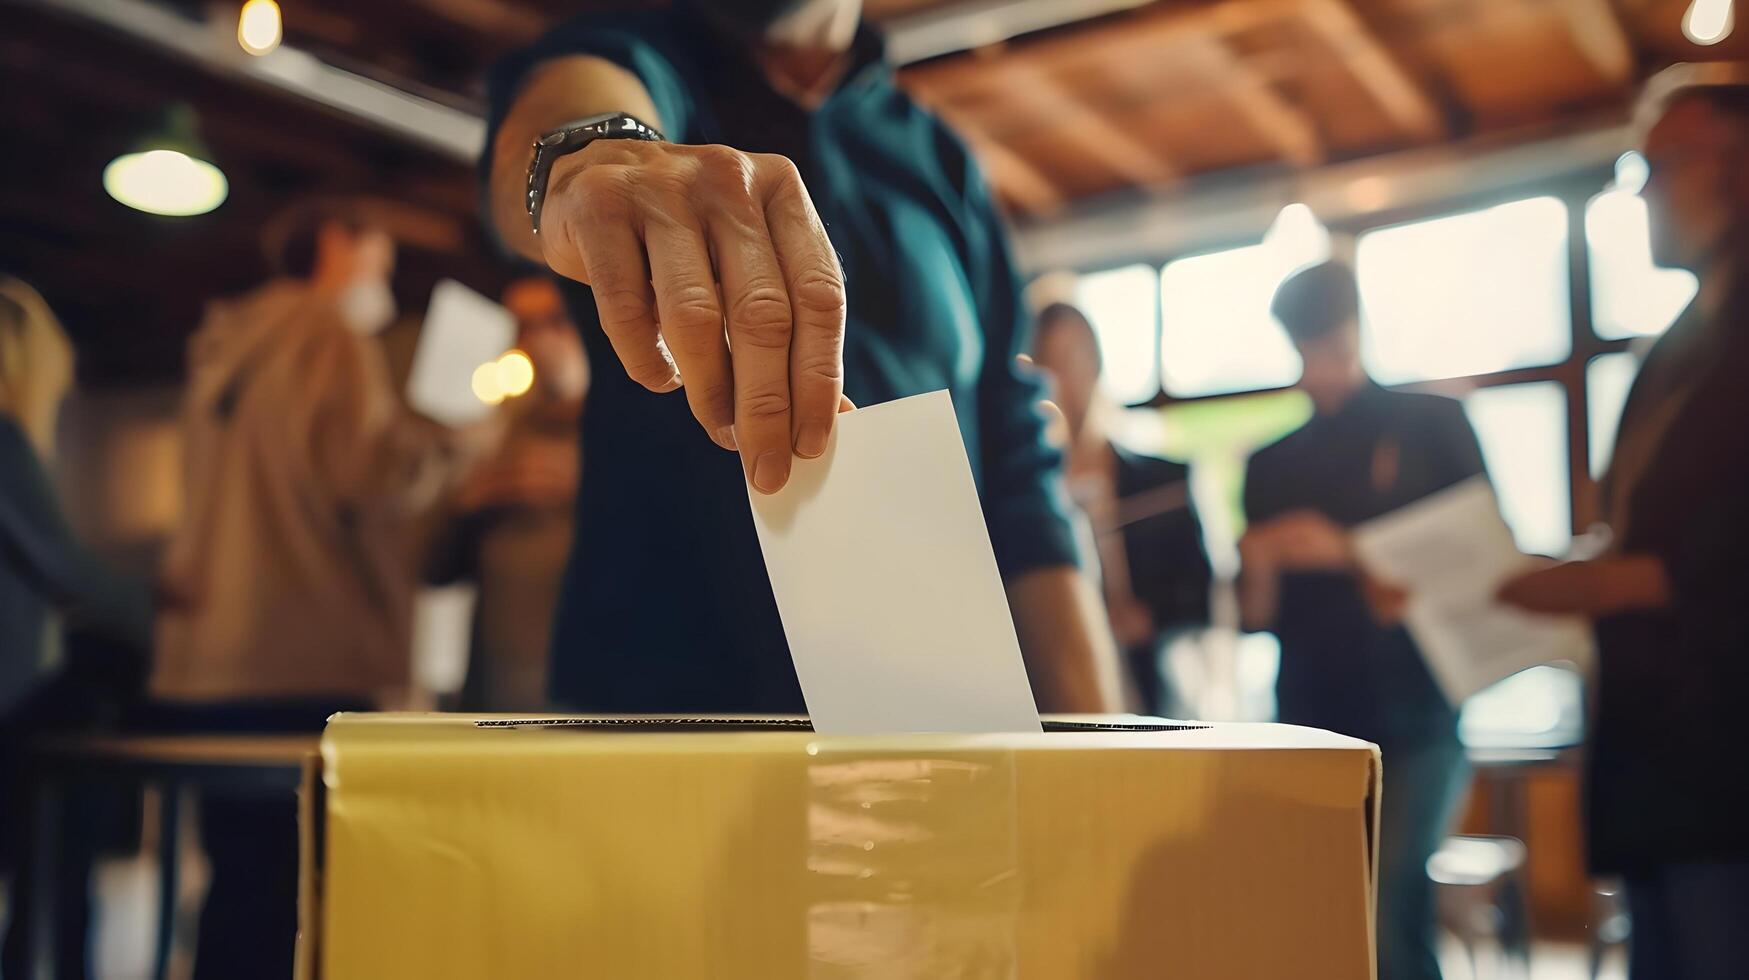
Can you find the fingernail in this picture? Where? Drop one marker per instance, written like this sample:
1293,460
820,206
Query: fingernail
769,472
725,437
669,385
811,440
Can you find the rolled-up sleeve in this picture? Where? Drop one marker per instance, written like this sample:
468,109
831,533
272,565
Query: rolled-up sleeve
1025,505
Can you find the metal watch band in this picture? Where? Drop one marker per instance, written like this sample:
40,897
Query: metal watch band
572,137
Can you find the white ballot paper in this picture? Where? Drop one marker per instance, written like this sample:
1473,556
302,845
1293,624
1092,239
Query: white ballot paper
462,331
886,582
1451,551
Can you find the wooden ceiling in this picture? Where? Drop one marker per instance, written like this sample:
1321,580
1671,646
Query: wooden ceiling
1108,108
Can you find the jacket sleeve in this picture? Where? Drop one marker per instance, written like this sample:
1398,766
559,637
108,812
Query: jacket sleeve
36,541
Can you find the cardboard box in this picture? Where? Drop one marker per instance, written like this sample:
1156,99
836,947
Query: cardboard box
444,846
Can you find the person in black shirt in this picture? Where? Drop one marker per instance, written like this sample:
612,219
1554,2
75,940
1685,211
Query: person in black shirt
1347,664
1154,572
1667,784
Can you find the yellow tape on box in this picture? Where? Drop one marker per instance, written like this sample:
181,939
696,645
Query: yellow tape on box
437,848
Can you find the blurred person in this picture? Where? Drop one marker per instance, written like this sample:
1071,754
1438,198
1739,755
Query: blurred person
1154,572
292,571
509,524
712,270
1347,663
50,587
1666,786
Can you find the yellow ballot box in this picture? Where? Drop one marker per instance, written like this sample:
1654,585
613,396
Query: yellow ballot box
448,846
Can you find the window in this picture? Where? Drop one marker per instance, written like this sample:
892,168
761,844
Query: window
1607,380
1217,335
1523,432
1466,294
1536,707
1120,303
1630,297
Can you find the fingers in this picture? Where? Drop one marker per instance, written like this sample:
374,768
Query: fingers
815,285
759,326
613,263
691,316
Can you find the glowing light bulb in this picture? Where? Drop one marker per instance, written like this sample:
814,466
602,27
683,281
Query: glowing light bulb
165,182
1708,21
258,26
485,383
515,374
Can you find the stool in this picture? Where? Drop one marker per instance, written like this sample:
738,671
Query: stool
1610,926
1481,898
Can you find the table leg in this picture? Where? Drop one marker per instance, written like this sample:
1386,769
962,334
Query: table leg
169,873
43,857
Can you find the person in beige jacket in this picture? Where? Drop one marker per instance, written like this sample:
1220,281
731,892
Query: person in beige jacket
292,575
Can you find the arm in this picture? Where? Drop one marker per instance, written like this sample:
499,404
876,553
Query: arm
1063,631
679,242
1064,639
35,538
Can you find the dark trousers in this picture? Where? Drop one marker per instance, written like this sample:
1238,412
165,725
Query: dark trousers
1690,921
248,925
1424,786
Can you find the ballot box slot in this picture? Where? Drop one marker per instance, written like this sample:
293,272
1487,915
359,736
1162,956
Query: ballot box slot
752,723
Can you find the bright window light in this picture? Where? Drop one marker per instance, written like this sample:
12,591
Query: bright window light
165,182
1470,293
1608,378
1630,297
1217,335
1523,432
1120,303
258,26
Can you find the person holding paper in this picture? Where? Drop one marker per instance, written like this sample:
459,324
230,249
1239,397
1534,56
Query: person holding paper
1667,781
1154,572
1347,662
508,523
762,219
290,578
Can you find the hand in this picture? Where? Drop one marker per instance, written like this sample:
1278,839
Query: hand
1303,540
710,269
1131,622
1590,588
1387,602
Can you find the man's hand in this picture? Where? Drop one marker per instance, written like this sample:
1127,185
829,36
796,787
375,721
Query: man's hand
712,270
1591,588
1302,540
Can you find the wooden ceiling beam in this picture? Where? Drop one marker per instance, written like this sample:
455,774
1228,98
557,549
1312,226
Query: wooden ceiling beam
1388,82
1096,135
1600,37
1015,176
1288,129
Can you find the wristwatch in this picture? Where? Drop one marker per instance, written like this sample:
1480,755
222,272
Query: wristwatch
572,137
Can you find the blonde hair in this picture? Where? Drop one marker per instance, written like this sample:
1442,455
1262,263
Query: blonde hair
36,363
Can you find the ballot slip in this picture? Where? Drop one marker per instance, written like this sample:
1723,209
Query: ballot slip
884,576
462,331
1452,551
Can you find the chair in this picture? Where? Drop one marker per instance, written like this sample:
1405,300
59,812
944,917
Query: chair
1481,901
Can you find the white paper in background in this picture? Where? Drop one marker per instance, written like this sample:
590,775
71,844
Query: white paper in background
462,331
443,629
1452,551
886,582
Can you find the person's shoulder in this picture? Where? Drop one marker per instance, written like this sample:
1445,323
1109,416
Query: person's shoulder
13,441
1423,408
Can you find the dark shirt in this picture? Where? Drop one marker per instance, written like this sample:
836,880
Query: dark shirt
43,569
1340,669
1667,778
1168,568
666,605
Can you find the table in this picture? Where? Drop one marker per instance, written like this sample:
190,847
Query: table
236,764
